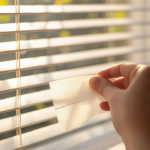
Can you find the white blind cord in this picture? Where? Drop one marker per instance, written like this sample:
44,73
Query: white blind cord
18,75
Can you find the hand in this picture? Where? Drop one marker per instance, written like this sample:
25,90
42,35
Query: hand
126,87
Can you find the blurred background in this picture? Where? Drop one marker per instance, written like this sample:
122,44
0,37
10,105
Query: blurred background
131,45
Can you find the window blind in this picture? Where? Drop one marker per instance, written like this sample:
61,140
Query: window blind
74,39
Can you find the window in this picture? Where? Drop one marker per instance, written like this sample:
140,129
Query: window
60,39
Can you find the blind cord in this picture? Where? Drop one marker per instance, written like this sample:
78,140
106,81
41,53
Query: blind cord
18,76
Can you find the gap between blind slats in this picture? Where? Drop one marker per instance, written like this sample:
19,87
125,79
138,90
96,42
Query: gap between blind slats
45,78
65,41
48,132
49,9
45,61
27,119
27,100
65,24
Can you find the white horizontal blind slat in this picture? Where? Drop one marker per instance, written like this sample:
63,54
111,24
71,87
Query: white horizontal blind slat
65,24
65,41
30,99
78,8
44,61
45,78
26,100
56,25
27,119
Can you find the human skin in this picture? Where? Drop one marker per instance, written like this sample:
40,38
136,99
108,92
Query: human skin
126,87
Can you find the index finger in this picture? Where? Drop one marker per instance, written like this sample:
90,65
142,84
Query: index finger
121,70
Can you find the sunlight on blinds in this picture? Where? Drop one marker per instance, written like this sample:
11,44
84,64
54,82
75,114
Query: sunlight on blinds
47,40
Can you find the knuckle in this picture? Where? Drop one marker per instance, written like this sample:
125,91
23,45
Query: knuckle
146,70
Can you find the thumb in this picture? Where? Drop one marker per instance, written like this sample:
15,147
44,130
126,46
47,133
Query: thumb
104,87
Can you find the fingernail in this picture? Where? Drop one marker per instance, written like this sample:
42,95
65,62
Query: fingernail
94,82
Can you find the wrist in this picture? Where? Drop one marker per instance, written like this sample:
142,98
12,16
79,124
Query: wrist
135,142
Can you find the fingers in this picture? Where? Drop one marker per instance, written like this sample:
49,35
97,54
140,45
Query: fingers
122,83
105,106
124,69
104,87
